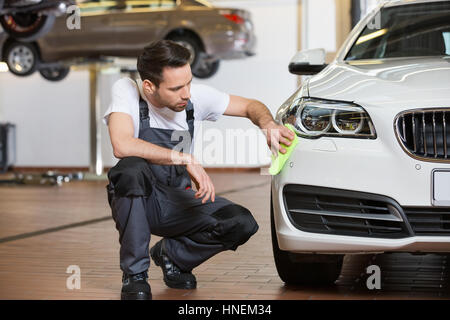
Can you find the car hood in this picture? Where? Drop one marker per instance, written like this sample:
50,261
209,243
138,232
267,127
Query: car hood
423,82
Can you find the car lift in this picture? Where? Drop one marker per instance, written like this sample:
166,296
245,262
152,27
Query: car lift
96,162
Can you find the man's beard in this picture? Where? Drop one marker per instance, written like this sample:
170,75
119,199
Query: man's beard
163,103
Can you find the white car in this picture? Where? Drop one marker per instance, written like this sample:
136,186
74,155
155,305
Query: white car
371,171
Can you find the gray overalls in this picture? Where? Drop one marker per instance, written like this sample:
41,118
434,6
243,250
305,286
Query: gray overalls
147,198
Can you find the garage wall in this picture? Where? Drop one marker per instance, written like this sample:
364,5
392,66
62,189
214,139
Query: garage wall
367,6
319,24
53,118
264,77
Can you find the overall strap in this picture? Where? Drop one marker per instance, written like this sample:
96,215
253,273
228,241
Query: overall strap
190,118
144,119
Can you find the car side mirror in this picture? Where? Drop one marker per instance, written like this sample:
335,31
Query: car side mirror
308,62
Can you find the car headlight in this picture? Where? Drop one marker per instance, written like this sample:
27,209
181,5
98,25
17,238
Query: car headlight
314,118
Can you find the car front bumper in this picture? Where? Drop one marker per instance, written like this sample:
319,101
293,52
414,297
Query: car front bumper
372,167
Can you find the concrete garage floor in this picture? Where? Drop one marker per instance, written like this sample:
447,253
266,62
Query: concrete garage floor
45,229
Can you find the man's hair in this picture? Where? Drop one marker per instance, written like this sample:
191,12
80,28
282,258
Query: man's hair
158,55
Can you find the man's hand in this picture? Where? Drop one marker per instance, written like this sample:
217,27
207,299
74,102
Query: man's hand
202,181
276,134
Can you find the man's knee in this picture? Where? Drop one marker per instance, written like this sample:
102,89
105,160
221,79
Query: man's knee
237,225
131,176
247,226
129,166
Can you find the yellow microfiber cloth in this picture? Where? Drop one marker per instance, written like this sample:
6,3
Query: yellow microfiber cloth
279,160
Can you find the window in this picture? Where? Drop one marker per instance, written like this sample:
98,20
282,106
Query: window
446,36
138,4
97,6
405,31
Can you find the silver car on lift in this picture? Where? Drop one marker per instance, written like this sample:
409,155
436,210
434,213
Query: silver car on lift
122,28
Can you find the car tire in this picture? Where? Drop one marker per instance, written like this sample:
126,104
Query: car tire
304,269
55,73
22,58
190,43
200,68
27,26
205,69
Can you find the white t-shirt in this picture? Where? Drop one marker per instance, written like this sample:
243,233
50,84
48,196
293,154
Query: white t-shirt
209,104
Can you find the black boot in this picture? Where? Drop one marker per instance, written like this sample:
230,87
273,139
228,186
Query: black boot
174,277
136,287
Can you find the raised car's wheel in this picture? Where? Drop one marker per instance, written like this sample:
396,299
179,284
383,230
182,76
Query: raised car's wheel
54,73
200,68
190,43
206,69
21,58
27,26
311,269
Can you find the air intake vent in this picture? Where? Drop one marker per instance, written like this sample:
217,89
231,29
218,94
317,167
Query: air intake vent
429,221
339,212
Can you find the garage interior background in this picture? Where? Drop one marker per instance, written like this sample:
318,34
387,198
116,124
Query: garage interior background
52,119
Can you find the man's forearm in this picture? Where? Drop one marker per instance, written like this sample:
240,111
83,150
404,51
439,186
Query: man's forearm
135,147
259,114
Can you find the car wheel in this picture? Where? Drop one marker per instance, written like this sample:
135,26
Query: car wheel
206,69
21,58
299,268
55,73
27,26
191,44
201,68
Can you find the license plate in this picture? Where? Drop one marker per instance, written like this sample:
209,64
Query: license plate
440,195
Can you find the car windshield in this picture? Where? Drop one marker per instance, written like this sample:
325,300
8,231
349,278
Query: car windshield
405,31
